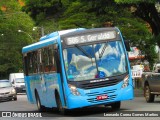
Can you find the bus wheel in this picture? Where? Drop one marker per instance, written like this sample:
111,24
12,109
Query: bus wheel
147,94
38,101
59,105
116,105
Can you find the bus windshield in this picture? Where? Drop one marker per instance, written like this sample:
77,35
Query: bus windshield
95,61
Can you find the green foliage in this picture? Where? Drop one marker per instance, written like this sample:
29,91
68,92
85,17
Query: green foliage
73,16
94,13
157,39
12,42
145,9
13,6
55,15
134,1
40,9
150,52
133,29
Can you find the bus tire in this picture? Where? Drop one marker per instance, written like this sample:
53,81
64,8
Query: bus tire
147,94
38,102
60,108
116,105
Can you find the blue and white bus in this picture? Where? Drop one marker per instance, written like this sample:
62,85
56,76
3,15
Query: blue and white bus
78,68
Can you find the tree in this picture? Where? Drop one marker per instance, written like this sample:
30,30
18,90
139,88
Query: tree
11,20
45,13
41,9
89,14
76,15
146,10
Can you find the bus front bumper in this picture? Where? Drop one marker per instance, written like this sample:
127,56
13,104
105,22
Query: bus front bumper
91,99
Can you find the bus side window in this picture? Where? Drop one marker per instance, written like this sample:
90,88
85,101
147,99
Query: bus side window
25,60
35,62
52,62
40,64
30,63
45,59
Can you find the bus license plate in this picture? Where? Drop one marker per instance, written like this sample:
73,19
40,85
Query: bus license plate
102,97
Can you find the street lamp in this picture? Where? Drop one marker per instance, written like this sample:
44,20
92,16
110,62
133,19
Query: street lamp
41,28
27,34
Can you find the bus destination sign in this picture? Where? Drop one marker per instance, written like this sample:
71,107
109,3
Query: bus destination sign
91,37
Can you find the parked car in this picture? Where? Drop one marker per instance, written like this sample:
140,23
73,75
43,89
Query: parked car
151,85
7,91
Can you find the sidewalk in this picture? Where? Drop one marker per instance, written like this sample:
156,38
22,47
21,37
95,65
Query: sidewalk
138,92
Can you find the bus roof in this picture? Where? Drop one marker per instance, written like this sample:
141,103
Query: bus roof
53,37
40,44
59,33
48,39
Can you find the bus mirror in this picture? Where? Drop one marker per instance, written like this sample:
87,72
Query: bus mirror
127,44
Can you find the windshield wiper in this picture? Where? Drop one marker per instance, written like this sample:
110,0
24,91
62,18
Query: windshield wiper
81,49
104,48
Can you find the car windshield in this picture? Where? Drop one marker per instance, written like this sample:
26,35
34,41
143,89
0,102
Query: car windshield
19,80
95,61
5,84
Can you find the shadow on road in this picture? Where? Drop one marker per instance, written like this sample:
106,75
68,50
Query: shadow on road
82,112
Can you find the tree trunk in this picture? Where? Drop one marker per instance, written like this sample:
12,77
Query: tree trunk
148,13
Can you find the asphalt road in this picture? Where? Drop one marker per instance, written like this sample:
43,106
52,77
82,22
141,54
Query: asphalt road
138,104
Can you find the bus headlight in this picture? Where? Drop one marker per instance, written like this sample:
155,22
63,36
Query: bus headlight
74,90
125,81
